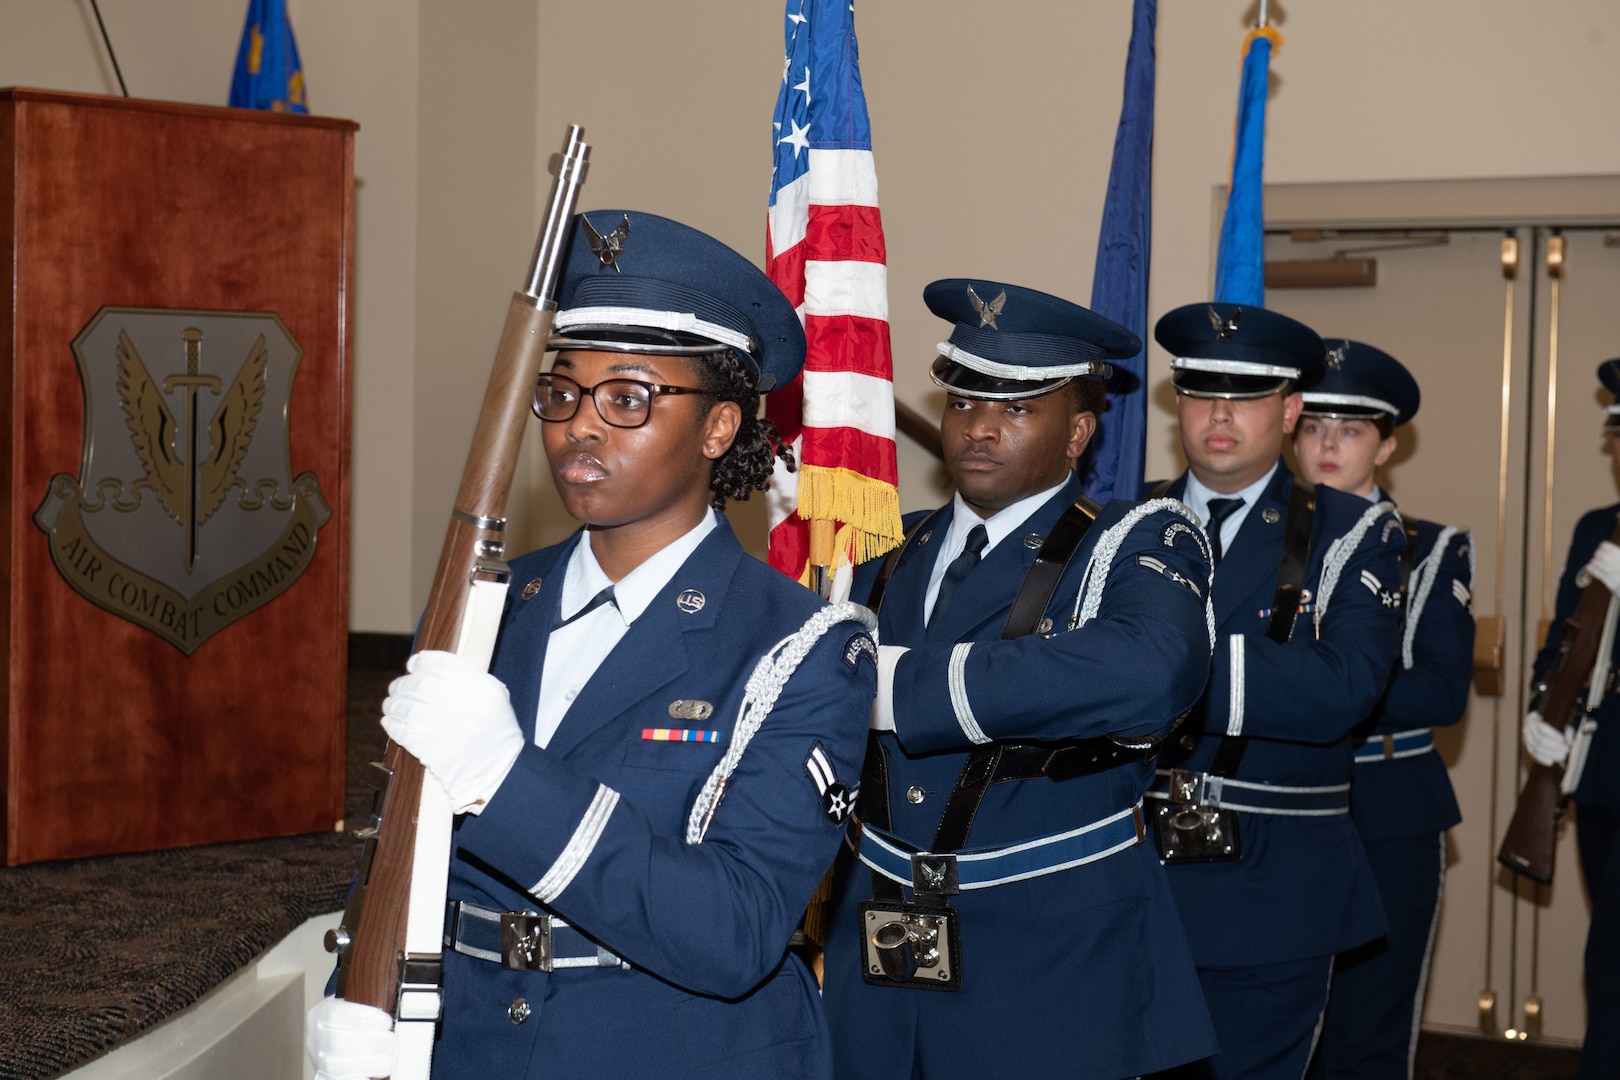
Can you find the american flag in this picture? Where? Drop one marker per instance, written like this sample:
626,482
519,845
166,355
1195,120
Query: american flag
824,249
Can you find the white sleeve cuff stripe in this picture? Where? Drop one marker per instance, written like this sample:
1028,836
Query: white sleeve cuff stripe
579,846
959,697
1234,712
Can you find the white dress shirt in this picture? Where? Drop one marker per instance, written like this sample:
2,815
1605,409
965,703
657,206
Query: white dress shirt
576,649
1197,498
997,527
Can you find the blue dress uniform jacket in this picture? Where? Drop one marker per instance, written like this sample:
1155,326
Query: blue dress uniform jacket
1084,972
1411,796
1302,887
1402,802
592,829
1600,781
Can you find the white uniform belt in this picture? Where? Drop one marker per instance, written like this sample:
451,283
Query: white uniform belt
1203,789
521,940
983,868
1400,744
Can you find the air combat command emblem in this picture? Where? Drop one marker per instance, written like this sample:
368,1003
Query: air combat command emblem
185,516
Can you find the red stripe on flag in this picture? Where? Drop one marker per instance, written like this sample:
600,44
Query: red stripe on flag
786,271
853,233
850,448
789,545
849,343
785,409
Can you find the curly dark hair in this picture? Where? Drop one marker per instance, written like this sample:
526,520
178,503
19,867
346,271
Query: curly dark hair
747,465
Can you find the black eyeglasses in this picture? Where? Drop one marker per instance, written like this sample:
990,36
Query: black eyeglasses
623,403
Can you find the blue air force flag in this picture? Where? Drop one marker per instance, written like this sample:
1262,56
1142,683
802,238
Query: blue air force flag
268,73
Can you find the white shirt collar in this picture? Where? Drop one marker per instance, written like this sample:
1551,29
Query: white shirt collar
1197,495
632,593
998,526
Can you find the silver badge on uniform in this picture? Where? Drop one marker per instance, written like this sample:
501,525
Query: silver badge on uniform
691,601
1033,541
690,709
925,537
532,589
1270,516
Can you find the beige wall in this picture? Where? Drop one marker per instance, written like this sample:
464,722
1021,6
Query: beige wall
992,129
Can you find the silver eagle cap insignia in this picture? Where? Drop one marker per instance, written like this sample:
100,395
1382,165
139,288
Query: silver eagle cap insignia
607,249
1224,328
987,312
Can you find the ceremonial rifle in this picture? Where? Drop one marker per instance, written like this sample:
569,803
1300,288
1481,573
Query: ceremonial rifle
1582,665
390,940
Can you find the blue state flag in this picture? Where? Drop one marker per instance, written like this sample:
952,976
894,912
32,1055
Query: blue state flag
268,73
1240,269
1120,282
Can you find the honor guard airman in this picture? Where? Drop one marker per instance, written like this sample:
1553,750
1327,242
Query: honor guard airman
657,770
1593,556
1251,806
999,913
1400,799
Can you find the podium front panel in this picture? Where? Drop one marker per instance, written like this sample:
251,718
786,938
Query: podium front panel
176,361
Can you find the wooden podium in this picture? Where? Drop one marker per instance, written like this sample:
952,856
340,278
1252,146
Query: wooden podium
174,371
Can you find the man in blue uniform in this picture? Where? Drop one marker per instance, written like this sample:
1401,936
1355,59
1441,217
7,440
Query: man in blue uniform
1001,915
1592,557
659,766
1401,798
1252,798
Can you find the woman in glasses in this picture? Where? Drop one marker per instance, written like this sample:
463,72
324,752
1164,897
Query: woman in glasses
657,770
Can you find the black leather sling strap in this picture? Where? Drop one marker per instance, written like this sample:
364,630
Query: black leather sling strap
1408,558
1296,554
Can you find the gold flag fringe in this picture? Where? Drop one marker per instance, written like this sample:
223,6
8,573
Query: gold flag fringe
868,510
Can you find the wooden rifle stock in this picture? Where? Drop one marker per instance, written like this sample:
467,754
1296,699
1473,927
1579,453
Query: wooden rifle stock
371,940
1532,835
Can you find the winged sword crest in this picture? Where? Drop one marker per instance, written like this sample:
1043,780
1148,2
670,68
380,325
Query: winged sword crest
169,468
185,515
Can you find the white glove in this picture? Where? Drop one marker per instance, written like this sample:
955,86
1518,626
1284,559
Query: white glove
883,705
1545,744
348,1041
1605,566
458,722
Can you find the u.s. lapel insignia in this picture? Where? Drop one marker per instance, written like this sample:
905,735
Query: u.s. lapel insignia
690,709
837,801
607,249
1033,541
532,589
987,312
925,537
1270,516
691,601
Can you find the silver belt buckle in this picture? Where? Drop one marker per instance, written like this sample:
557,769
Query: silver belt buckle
526,941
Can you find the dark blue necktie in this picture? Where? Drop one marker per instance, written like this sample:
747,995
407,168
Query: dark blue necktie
1219,511
959,569
603,597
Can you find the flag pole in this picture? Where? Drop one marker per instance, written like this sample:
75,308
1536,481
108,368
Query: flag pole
822,555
